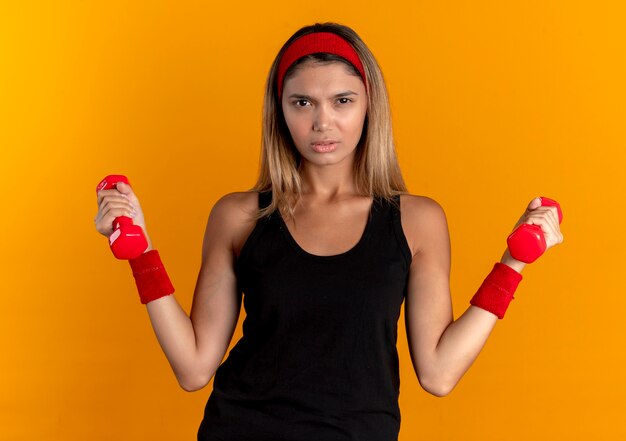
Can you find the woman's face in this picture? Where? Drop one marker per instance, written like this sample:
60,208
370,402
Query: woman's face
325,108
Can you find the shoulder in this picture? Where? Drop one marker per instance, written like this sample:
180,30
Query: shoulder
422,218
237,204
417,203
232,217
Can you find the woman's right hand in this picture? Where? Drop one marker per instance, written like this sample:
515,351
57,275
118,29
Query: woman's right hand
118,202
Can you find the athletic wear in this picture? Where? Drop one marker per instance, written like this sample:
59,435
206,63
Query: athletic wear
317,360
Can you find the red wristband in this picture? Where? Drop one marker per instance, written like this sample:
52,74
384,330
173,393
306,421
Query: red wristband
496,291
150,276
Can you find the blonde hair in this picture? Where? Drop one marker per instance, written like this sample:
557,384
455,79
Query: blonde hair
376,169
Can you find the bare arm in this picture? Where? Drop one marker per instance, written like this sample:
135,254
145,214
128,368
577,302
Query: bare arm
442,349
194,345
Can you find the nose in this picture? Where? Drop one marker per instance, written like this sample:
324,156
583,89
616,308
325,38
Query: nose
322,119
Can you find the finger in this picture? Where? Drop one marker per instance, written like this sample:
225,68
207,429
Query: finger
114,198
105,218
539,215
548,226
552,214
555,214
126,189
556,224
110,212
533,204
111,215
108,200
109,193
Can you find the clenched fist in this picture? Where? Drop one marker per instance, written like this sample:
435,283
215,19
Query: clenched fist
119,202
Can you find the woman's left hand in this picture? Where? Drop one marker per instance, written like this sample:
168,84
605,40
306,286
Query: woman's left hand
547,217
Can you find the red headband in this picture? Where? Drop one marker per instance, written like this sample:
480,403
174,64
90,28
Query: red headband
313,43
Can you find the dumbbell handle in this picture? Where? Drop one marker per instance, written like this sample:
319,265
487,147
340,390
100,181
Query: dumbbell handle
527,242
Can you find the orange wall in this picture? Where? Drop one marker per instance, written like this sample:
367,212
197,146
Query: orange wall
493,103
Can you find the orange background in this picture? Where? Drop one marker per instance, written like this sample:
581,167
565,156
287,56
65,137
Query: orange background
493,102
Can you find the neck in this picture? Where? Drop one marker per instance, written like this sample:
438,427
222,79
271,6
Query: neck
328,182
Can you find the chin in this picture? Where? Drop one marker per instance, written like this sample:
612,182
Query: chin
329,158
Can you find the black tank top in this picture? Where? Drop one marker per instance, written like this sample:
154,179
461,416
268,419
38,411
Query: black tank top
317,360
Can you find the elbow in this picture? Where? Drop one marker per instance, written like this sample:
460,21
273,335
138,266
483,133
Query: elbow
439,392
189,387
435,387
193,384
195,379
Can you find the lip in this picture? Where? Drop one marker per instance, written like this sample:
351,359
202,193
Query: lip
324,146
325,142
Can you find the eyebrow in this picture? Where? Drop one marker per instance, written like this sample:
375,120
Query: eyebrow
307,97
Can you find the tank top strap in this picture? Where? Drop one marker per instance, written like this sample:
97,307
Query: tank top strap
265,198
396,219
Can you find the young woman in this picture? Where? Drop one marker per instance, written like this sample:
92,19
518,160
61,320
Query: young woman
324,249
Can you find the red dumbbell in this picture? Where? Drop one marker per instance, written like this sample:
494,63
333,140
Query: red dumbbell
127,240
527,242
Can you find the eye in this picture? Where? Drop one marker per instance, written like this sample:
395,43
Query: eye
345,100
297,102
